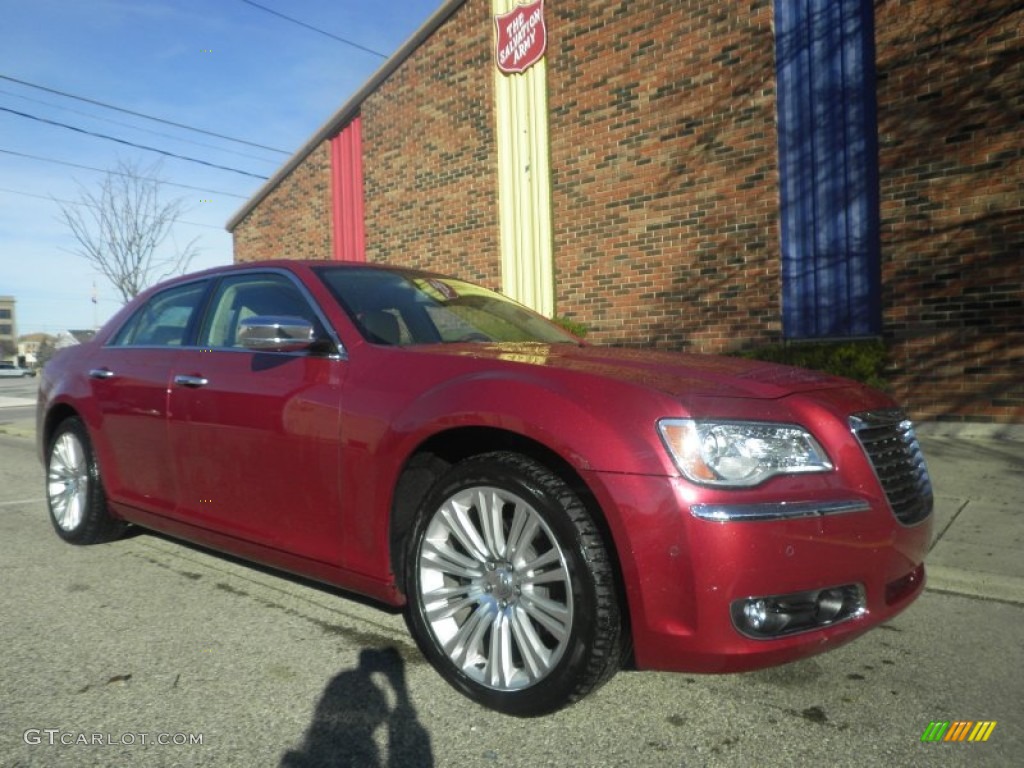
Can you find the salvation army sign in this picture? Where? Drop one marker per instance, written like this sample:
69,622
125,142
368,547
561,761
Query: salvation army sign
522,37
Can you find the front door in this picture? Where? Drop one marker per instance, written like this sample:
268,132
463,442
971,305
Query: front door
255,434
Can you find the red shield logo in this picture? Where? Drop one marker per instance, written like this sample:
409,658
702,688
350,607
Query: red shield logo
522,37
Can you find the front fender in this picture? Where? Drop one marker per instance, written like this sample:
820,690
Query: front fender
390,412
606,432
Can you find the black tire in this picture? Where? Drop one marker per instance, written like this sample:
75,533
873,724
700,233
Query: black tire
74,490
511,591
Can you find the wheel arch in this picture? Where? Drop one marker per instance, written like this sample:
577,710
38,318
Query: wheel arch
442,450
53,418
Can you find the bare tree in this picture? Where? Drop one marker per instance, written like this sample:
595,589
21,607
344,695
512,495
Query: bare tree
45,352
121,227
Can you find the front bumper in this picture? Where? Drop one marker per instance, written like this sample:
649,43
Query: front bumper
682,574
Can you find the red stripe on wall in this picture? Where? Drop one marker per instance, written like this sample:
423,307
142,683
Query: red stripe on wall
347,193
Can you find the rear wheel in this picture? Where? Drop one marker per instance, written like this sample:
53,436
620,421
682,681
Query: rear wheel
74,492
511,590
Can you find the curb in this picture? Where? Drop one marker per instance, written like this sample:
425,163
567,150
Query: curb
970,430
988,586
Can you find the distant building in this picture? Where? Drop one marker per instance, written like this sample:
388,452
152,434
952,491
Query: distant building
70,338
8,327
28,347
82,336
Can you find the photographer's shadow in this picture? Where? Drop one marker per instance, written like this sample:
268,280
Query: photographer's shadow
351,710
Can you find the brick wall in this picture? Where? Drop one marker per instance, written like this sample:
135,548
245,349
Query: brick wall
430,157
665,188
951,106
665,183
663,160
294,220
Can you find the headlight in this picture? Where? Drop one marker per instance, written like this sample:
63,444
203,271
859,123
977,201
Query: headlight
740,453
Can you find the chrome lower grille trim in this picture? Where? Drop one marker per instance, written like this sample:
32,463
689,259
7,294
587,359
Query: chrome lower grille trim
783,510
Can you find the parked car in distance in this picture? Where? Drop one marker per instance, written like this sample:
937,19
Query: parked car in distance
545,510
14,371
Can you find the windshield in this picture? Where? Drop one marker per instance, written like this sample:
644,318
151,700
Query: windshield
402,308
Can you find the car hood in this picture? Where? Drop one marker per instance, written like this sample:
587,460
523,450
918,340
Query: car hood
675,374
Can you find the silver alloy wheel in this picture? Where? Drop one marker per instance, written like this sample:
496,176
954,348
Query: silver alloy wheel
495,588
68,481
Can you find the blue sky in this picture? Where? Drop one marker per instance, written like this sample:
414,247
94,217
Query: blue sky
220,65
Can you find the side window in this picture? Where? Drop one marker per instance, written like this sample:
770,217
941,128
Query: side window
163,321
242,296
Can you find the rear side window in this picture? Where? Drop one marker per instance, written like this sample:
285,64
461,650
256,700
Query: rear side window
164,320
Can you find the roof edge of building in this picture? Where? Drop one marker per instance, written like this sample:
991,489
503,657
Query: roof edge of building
348,110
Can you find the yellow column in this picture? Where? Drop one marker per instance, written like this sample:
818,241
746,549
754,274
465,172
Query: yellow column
524,183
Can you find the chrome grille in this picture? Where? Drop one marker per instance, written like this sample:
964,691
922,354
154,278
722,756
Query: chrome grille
889,441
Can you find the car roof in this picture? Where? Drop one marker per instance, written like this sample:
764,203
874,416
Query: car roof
304,263
291,265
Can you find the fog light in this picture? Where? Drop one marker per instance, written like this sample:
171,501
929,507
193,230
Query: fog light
830,605
756,613
777,615
764,616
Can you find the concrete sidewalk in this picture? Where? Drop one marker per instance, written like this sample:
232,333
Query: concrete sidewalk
11,402
978,476
978,544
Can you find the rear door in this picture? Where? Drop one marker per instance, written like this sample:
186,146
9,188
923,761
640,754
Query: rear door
130,379
255,435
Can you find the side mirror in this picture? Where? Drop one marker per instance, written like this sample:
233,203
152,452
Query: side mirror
276,333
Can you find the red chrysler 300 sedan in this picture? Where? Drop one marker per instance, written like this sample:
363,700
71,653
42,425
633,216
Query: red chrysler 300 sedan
545,510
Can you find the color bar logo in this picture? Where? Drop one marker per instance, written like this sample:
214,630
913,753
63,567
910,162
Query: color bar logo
958,730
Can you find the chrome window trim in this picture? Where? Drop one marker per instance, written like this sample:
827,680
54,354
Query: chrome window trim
781,510
212,281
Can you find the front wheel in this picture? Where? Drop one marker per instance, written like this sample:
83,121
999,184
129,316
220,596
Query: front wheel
512,595
74,493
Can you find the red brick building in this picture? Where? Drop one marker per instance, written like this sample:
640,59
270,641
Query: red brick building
700,174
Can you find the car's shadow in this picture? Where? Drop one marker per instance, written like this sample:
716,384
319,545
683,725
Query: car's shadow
133,531
355,702
354,705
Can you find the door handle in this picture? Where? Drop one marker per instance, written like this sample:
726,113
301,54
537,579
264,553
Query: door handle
101,373
191,381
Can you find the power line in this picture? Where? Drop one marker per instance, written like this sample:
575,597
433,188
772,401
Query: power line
140,114
130,143
118,173
137,127
86,205
316,29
